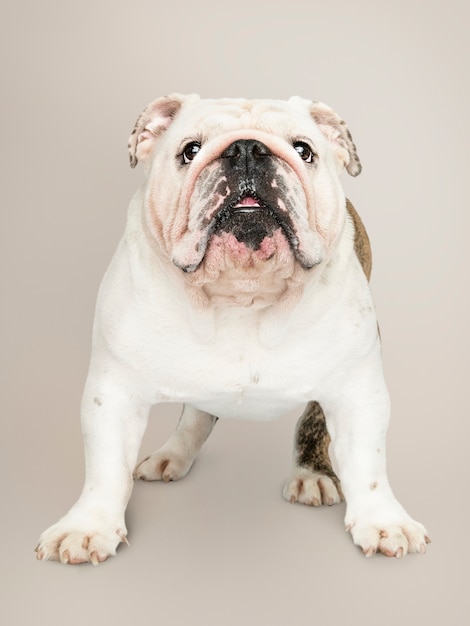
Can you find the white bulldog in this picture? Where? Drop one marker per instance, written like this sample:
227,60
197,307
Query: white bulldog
240,288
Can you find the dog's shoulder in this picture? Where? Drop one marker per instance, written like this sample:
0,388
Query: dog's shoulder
361,240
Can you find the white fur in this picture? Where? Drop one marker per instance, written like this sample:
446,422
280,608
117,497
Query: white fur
153,341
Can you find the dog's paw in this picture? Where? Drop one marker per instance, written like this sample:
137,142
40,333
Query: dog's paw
72,543
396,538
165,465
311,488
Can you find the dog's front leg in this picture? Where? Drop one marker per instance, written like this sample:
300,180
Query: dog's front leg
357,418
113,423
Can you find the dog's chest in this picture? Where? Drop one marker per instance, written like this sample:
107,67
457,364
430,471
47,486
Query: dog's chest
245,369
236,376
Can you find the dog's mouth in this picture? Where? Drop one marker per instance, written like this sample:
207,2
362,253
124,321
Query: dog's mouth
254,224
251,220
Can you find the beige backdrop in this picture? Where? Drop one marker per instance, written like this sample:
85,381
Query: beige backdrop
222,548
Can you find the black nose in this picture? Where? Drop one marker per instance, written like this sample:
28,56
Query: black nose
245,152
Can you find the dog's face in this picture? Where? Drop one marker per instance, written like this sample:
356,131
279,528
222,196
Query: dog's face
243,195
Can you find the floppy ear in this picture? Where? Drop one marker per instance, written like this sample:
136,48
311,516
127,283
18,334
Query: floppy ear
337,133
153,120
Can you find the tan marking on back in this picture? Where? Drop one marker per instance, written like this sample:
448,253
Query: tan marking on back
361,241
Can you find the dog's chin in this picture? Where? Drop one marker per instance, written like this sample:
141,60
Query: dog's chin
250,252
247,237
248,261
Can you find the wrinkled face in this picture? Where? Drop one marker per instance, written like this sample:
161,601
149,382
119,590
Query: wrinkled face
242,195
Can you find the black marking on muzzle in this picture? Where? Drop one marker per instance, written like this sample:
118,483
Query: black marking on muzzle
251,224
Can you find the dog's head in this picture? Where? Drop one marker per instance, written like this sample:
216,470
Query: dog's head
243,195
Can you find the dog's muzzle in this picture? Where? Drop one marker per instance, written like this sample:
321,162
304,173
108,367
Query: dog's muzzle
257,200
249,213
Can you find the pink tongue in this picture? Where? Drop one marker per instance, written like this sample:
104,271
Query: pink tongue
248,201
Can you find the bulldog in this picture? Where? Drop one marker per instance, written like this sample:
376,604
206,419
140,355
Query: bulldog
240,289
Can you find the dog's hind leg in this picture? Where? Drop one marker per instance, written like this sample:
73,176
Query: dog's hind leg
313,480
174,460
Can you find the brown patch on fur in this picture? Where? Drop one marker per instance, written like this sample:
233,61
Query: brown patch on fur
361,241
312,441
361,244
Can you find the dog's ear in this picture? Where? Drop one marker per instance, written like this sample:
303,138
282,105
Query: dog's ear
337,133
153,120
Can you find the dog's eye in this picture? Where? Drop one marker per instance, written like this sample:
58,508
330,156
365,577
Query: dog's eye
190,151
304,151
